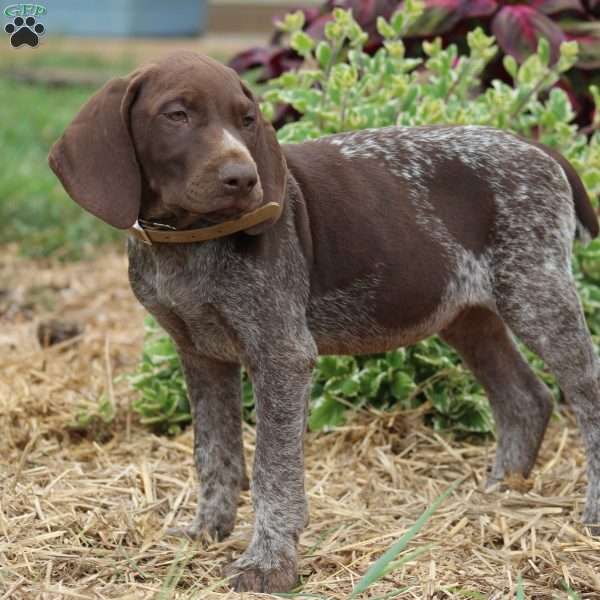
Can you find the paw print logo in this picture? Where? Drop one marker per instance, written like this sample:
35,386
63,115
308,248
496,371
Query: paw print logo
24,31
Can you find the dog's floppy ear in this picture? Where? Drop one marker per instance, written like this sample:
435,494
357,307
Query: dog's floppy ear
95,157
270,163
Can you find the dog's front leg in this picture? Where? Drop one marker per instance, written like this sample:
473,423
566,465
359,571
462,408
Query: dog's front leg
214,390
281,385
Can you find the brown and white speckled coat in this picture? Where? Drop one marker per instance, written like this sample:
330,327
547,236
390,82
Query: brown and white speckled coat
386,237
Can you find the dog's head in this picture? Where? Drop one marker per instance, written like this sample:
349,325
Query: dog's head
175,141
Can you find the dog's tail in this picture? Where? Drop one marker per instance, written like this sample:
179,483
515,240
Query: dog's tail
587,219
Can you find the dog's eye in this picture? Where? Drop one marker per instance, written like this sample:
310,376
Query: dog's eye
180,116
248,120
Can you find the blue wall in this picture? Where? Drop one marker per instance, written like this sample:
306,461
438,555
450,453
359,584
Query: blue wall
124,17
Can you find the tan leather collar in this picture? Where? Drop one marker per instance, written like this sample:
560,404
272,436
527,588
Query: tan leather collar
151,233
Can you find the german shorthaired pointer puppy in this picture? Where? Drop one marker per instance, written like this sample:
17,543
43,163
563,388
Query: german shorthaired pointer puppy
381,238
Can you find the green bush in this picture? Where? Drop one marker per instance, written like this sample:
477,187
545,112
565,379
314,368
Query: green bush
162,402
341,88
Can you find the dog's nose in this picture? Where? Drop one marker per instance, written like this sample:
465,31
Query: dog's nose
238,179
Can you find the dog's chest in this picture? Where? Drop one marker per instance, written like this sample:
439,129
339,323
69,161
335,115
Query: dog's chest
187,298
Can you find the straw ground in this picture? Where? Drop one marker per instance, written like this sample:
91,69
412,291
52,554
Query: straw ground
84,504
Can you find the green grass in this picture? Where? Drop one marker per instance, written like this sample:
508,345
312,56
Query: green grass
64,59
34,209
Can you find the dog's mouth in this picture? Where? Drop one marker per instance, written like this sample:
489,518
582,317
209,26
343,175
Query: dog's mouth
228,214
182,219
231,209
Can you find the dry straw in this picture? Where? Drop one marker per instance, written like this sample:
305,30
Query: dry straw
83,514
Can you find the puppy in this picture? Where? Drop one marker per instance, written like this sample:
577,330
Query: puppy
378,239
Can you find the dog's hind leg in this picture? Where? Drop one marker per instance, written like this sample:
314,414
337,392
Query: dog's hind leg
540,304
521,403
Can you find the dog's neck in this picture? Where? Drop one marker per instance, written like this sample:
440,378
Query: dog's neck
156,232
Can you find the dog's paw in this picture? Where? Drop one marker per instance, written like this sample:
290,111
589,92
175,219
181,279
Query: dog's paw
593,529
206,528
591,518
267,576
